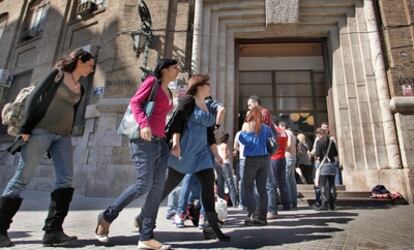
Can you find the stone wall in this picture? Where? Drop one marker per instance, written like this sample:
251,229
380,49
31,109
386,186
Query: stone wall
365,128
102,159
398,33
375,145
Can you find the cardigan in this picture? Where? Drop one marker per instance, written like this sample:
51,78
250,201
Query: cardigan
39,100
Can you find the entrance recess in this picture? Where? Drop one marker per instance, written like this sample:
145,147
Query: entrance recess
288,78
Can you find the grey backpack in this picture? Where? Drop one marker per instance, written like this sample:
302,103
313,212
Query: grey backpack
13,112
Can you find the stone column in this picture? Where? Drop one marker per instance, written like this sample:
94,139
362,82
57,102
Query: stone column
197,33
391,142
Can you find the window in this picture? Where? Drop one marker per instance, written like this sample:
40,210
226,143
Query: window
88,7
100,4
36,19
3,22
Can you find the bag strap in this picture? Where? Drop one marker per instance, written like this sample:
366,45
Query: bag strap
326,154
59,76
152,96
154,90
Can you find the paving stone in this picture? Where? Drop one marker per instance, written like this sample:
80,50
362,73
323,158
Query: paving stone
389,228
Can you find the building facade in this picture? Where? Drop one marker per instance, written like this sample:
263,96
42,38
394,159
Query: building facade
348,62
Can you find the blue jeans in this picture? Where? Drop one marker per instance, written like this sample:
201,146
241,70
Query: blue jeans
225,176
172,202
190,185
338,176
291,182
41,141
150,158
241,171
316,187
255,169
277,178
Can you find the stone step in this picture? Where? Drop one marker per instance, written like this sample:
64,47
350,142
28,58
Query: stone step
339,193
305,187
360,202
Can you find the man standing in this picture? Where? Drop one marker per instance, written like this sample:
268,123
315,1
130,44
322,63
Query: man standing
290,167
254,101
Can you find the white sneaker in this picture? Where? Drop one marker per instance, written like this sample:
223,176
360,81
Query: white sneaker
179,220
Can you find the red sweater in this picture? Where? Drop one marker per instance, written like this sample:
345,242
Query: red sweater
282,139
163,105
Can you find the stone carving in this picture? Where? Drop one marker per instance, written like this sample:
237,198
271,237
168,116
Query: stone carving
282,11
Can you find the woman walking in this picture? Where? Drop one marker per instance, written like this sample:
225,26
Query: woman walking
254,137
47,127
150,154
194,149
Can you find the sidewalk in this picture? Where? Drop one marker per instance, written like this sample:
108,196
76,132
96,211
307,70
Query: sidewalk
379,228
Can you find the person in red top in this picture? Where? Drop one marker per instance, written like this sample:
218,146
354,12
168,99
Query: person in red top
277,174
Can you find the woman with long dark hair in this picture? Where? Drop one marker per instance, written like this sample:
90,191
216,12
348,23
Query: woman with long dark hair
254,136
47,127
149,153
193,150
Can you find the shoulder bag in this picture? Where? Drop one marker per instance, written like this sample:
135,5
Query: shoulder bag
128,126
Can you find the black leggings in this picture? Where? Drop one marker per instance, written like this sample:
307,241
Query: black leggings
206,178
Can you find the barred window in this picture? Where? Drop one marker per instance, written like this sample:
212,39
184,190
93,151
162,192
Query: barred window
35,19
87,8
99,3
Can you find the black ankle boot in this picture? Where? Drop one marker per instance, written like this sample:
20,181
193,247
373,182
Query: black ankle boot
58,209
212,230
56,238
8,208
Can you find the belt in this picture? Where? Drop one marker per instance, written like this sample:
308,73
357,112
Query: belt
157,138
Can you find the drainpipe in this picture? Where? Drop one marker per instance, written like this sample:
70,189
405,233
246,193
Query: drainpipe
391,141
197,32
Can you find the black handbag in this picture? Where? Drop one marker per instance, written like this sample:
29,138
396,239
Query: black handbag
16,146
272,145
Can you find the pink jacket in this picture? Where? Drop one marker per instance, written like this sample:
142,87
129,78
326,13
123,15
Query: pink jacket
163,105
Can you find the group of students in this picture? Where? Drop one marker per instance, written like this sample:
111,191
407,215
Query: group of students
319,166
163,154
47,127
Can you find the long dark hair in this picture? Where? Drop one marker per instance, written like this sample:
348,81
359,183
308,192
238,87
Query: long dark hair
69,62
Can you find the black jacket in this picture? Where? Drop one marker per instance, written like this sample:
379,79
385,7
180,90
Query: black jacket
39,100
179,119
322,147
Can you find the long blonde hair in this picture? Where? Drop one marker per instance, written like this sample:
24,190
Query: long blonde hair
302,138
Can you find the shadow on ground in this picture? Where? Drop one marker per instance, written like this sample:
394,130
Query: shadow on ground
294,228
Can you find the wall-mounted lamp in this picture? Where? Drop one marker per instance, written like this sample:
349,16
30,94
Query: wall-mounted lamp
142,37
140,41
